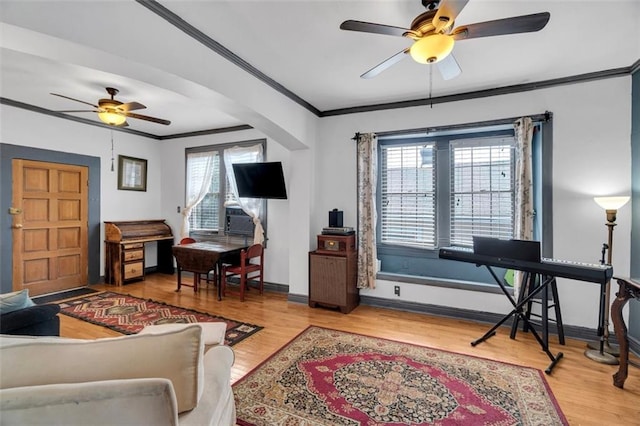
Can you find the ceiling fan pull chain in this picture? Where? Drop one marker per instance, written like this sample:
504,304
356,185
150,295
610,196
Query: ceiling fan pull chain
431,85
112,169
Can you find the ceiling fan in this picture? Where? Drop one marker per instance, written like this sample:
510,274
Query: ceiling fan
434,35
113,112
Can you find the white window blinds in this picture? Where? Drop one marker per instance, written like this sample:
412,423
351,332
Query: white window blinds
482,189
408,215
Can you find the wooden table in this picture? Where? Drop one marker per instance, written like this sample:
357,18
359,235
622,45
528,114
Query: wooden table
628,289
202,257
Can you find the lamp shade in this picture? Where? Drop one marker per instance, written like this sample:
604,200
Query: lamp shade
611,203
112,118
432,48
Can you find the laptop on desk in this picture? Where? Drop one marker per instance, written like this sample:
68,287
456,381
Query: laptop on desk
524,250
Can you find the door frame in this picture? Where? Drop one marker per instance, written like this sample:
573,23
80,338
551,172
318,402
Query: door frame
7,153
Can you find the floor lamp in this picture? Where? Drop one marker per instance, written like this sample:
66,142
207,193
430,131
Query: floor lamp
601,351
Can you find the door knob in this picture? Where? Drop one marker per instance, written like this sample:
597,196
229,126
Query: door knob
18,226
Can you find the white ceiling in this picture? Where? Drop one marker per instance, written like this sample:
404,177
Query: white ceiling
74,48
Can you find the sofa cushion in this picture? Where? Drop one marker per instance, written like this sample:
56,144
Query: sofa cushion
110,402
14,301
174,355
213,333
35,320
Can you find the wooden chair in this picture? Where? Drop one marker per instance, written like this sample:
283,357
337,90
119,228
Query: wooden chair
197,276
245,271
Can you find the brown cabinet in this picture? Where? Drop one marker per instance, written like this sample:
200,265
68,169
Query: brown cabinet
333,273
124,262
132,261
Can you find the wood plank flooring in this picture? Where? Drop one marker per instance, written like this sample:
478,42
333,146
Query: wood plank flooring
582,387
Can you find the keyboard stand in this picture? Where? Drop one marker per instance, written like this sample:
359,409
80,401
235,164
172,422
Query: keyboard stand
519,313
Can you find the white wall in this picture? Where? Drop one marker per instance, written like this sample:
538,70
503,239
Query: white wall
591,156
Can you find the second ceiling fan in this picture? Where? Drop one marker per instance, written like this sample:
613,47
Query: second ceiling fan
113,112
434,35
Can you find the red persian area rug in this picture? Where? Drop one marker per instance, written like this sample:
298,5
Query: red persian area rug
329,377
128,315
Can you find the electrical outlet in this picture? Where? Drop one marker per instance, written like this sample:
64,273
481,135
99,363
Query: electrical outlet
396,290
178,209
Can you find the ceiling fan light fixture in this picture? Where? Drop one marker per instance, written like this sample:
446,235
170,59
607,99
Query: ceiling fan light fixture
432,48
112,118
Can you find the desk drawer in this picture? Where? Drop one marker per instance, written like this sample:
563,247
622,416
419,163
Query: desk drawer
133,246
133,255
133,270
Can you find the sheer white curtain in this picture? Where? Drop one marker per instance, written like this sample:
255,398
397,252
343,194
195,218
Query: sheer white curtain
524,209
251,206
200,167
367,182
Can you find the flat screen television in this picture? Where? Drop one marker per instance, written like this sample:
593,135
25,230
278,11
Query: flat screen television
260,180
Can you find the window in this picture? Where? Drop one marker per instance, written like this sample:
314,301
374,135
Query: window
482,189
467,183
208,216
440,189
408,213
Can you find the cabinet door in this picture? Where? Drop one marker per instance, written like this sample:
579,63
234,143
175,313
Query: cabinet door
328,279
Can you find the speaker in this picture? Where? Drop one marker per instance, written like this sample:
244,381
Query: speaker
335,218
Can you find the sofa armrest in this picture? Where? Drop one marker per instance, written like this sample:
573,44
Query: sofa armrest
216,407
27,317
127,401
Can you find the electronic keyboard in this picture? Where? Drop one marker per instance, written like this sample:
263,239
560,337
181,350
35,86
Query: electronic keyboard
590,272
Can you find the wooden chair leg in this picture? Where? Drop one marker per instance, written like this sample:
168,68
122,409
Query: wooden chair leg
223,282
179,278
243,283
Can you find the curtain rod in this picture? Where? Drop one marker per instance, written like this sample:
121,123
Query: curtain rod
546,116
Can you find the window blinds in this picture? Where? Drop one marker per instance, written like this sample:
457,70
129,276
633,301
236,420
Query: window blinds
482,189
408,215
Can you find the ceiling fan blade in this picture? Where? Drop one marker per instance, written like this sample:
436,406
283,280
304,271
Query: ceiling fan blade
449,67
77,100
77,110
517,24
387,63
369,27
447,13
147,118
130,106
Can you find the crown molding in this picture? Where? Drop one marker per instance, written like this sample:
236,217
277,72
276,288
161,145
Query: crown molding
33,108
506,90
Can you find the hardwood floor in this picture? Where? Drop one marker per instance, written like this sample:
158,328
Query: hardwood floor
582,387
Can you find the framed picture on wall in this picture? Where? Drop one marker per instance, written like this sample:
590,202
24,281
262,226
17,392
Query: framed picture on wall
132,173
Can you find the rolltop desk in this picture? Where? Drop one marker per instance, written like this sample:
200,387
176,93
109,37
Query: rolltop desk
124,249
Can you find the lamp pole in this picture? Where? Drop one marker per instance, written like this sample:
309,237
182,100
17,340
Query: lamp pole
601,351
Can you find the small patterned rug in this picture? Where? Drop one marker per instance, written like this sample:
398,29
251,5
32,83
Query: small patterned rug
329,377
128,315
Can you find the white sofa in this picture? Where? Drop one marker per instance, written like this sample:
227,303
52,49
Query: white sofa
160,377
